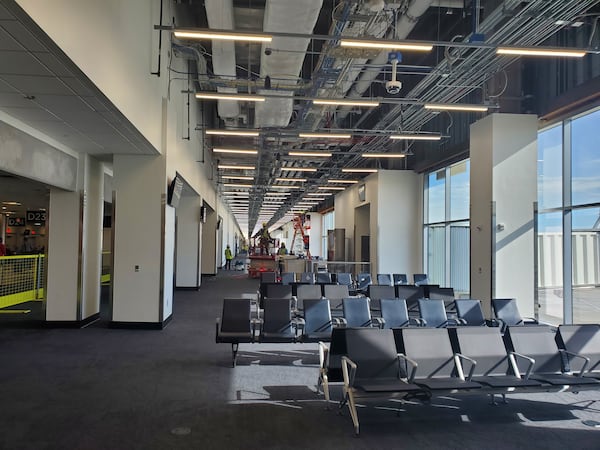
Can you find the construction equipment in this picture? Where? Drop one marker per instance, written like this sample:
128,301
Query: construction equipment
299,231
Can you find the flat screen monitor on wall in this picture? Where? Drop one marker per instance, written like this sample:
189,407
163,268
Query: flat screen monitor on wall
174,191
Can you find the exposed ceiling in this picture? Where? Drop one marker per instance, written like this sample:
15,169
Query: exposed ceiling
42,87
297,68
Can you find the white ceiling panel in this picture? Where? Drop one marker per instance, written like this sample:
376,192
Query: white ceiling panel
31,85
19,32
5,14
7,42
13,99
54,65
29,115
78,86
21,63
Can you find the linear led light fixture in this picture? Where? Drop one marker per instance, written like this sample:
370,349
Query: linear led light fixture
515,51
291,179
310,154
386,44
12,203
232,133
299,169
331,188
234,177
237,185
358,170
325,135
340,102
416,137
279,186
320,199
383,155
238,97
222,35
318,194
343,181
225,166
277,194
455,107
241,151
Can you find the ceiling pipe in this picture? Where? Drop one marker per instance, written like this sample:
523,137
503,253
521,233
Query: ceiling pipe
404,26
284,16
220,15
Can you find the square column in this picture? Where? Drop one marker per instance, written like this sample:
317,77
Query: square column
503,191
75,248
144,239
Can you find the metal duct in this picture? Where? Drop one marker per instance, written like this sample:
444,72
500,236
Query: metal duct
220,16
403,28
288,16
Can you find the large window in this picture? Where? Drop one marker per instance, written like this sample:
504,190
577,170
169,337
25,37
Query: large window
328,223
568,240
446,227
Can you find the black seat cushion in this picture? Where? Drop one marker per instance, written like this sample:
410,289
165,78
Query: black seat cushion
385,385
446,384
561,380
506,381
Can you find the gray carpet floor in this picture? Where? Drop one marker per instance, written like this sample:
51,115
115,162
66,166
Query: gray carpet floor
102,388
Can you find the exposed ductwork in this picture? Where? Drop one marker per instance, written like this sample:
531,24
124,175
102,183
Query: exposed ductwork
403,28
290,16
220,15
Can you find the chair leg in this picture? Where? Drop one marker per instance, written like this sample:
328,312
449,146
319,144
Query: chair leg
353,412
234,351
492,399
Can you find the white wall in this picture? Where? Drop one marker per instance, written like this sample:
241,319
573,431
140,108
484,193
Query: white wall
316,228
63,255
188,239
400,222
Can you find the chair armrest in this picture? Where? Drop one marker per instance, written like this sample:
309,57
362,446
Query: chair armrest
300,324
577,355
413,363
458,358
530,319
343,322
531,361
217,326
416,321
461,321
423,322
323,353
336,322
348,375
377,321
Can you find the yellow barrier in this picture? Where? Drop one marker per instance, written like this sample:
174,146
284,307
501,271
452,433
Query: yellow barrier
21,279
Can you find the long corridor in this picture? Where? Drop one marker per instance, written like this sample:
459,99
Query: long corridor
101,388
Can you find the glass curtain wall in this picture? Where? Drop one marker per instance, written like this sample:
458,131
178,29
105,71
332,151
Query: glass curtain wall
446,227
328,223
568,218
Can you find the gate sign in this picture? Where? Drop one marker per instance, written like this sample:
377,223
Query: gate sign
38,217
16,221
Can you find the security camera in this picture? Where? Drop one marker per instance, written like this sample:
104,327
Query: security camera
393,87
268,51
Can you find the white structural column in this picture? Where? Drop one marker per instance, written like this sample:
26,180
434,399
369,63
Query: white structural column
75,246
503,190
210,259
144,236
189,235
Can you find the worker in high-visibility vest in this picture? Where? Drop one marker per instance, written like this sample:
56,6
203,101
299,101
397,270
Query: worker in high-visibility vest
228,258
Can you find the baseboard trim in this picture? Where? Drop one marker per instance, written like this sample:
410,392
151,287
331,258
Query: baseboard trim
141,325
72,323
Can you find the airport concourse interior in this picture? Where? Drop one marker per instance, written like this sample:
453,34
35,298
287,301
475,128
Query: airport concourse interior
275,224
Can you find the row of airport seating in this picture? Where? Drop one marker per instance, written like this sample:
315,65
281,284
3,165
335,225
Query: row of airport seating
420,363
280,321
361,283
335,292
